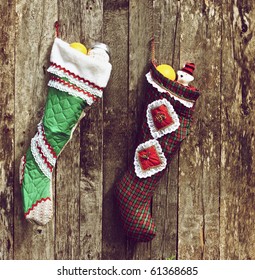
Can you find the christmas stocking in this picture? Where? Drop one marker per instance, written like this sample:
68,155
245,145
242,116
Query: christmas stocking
77,80
166,122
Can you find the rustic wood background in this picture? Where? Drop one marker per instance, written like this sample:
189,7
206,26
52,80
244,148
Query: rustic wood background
204,206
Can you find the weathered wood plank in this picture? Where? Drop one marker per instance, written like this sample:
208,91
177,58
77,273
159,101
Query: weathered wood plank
7,39
67,240
115,34
34,37
167,37
140,33
91,184
215,166
237,238
198,231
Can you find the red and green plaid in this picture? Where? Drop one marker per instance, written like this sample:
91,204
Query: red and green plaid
133,193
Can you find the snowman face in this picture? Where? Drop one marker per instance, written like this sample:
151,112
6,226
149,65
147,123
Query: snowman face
184,78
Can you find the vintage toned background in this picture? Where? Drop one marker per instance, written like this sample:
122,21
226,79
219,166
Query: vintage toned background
204,205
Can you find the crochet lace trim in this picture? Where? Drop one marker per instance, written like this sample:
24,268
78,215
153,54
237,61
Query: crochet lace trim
71,74
150,80
74,79
72,90
36,204
148,173
47,150
39,158
22,169
172,127
41,211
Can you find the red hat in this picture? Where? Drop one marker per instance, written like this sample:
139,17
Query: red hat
189,68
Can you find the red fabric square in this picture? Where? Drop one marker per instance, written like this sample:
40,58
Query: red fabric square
149,158
161,117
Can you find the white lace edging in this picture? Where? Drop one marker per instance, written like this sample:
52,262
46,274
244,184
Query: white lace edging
41,213
62,74
161,89
172,127
71,91
45,151
21,169
148,173
43,167
40,141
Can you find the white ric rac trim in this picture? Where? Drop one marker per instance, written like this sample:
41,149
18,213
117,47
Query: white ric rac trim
148,173
168,129
40,162
71,91
161,89
62,74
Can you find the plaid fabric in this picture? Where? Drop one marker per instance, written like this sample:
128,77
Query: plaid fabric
133,193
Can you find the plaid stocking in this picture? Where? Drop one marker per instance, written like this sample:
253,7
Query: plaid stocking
77,80
166,122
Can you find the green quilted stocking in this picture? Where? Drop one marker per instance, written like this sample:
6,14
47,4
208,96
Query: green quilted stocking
77,80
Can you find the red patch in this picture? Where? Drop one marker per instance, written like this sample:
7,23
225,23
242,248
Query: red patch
161,117
149,158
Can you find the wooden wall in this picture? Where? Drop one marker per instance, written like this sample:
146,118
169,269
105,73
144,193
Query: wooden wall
204,206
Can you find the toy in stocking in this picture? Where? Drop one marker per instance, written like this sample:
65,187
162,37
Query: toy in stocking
166,123
77,80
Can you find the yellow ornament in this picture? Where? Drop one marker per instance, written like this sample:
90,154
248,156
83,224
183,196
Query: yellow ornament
79,47
167,71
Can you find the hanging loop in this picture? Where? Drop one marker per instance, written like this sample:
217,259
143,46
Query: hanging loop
57,25
153,49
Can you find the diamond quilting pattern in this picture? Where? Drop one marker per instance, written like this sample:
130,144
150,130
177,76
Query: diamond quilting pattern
34,183
68,95
61,115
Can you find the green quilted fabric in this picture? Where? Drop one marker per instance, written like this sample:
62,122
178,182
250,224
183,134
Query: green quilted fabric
76,81
62,111
34,183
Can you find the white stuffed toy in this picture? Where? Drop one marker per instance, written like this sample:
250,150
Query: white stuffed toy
185,75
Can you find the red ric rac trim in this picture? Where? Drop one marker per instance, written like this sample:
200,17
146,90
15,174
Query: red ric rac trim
36,204
75,76
47,143
44,159
63,82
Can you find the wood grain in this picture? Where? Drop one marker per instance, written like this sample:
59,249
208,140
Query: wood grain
34,38
199,173
204,205
237,128
140,33
115,30
7,72
67,240
91,152
165,201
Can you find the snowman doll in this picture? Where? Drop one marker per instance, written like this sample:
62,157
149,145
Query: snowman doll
185,75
